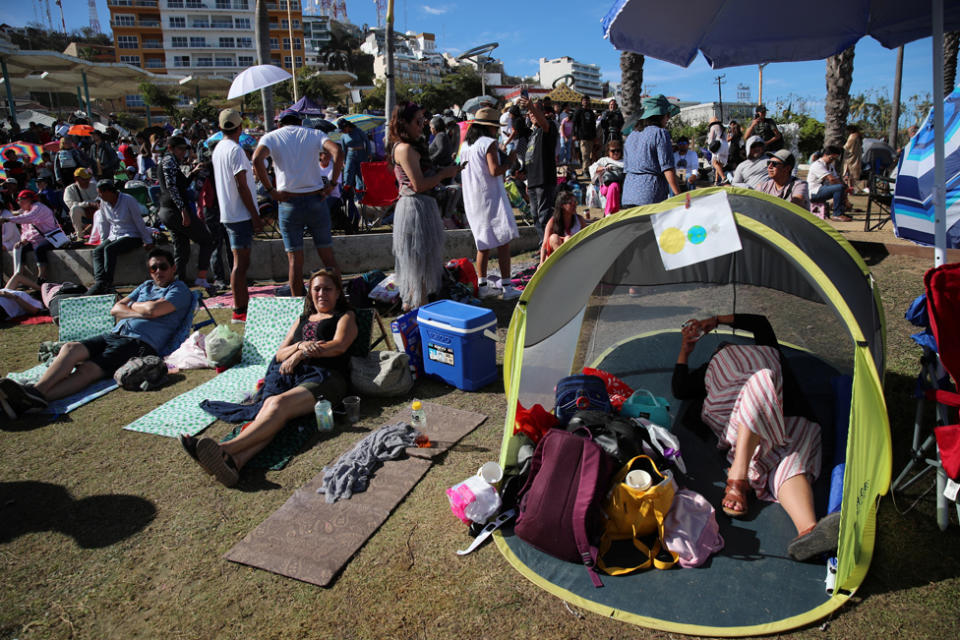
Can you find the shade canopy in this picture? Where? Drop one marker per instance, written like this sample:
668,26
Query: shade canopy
738,32
307,107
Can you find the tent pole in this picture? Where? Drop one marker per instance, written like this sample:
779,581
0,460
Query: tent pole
86,91
939,175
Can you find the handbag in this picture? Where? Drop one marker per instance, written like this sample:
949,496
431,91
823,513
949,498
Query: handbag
637,513
643,404
381,373
57,237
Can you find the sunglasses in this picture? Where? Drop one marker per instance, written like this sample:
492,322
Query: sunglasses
158,267
616,150
775,163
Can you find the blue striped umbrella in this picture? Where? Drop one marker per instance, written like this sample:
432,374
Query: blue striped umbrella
912,212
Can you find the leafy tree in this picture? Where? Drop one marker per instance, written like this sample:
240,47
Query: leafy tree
376,99
129,121
155,96
696,133
204,109
308,84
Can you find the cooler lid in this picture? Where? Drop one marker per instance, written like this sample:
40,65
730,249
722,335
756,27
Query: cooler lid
457,315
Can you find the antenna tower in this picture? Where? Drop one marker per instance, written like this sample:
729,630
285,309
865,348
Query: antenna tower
94,20
381,11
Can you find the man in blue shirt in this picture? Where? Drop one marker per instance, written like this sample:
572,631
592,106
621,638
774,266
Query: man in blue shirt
355,142
148,319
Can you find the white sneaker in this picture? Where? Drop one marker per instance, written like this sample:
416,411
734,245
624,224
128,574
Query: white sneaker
487,291
509,293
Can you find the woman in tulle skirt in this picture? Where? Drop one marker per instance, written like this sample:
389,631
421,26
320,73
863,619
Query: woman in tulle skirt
418,233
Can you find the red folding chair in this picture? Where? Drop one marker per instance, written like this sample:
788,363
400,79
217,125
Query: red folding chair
938,379
380,192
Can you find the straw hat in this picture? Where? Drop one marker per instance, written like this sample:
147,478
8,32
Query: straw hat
487,117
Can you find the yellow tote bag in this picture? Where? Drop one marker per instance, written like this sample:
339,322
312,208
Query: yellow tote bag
634,513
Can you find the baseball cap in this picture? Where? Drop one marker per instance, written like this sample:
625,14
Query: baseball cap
230,119
783,156
289,113
82,172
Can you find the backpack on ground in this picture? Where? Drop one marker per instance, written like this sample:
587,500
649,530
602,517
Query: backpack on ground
561,504
580,392
464,272
142,374
619,436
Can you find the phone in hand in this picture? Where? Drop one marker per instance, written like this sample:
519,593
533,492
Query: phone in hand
524,92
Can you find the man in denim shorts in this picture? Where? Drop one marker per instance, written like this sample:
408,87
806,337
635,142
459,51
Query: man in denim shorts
300,189
147,320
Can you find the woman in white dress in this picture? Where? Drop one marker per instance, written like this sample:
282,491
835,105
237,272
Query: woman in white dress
485,198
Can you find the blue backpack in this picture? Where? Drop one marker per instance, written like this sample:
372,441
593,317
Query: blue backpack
579,392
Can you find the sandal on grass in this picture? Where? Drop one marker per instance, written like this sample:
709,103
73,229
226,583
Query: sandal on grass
737,492
217,462
189,444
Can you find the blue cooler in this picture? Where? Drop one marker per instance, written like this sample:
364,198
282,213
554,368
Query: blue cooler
459,343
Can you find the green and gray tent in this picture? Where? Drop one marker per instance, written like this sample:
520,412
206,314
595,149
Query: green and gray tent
604,300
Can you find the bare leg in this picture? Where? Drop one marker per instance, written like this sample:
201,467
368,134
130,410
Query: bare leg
503,257
796,498
483,258
20,280
743,451
295,272
275,413
238,278
69,373
329,261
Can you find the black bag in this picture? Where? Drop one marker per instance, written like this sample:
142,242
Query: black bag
619,436
142,374
613,174
580,392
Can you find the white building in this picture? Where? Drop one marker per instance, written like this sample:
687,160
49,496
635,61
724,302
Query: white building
586,77
415,57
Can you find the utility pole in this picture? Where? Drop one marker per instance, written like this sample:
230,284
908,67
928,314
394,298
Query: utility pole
760,69
293,60
720,82
390,99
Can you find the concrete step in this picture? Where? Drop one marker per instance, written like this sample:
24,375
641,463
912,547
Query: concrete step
268,260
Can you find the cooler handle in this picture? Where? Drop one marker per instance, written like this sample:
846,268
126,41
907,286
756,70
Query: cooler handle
490,334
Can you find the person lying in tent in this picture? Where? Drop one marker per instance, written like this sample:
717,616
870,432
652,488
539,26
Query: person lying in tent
753,404
311,363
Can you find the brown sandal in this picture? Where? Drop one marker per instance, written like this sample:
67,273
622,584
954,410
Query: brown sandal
736,492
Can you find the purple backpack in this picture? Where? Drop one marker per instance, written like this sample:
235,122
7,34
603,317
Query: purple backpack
561,504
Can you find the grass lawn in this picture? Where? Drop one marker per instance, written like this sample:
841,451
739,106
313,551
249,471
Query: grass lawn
106,533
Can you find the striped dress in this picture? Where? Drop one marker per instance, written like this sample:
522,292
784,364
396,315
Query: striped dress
745,386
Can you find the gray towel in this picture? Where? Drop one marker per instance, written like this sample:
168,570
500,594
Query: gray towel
351,473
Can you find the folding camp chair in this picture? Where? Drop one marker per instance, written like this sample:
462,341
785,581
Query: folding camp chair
942,286
366,317
380,192
881,194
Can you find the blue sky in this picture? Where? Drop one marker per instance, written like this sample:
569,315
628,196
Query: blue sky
528,31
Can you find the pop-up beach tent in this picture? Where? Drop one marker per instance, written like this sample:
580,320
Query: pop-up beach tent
604,299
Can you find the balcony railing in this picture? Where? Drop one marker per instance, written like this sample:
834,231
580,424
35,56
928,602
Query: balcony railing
132,3
152,44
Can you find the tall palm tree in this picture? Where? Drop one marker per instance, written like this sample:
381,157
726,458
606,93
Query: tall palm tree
837,106
631,83
261,33
951,40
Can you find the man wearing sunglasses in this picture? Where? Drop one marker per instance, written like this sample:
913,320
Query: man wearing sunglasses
782,183
147,319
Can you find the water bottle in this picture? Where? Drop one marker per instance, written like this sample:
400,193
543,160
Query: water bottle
577,192
418,420
323,411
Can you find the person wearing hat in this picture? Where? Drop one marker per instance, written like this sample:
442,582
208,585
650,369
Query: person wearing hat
177,214
648,155
686,162
766,128
485,198
233,176
782,183
753,170
719,149
35,219
300,189
80,198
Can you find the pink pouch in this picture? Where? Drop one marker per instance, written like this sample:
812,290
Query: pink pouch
690,529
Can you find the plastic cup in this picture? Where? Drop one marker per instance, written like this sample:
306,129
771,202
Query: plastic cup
351,405
491,472
639,479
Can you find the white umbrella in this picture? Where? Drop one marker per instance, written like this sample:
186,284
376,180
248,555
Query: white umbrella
737,32
254,78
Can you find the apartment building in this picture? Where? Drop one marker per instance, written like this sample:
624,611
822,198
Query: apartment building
416,60
202,36
586,77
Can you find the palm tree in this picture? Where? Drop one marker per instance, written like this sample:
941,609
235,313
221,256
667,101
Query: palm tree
950,42
261,32
837,106
631,83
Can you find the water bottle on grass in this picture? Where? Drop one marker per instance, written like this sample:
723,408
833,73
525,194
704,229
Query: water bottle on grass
418,420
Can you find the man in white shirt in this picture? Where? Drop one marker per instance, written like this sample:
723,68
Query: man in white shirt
300,188
752,171
119,225
824,183
685,161
233,175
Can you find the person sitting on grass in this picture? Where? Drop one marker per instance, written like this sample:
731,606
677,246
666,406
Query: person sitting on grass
19,304
753,403
562,225
148,318
311,363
